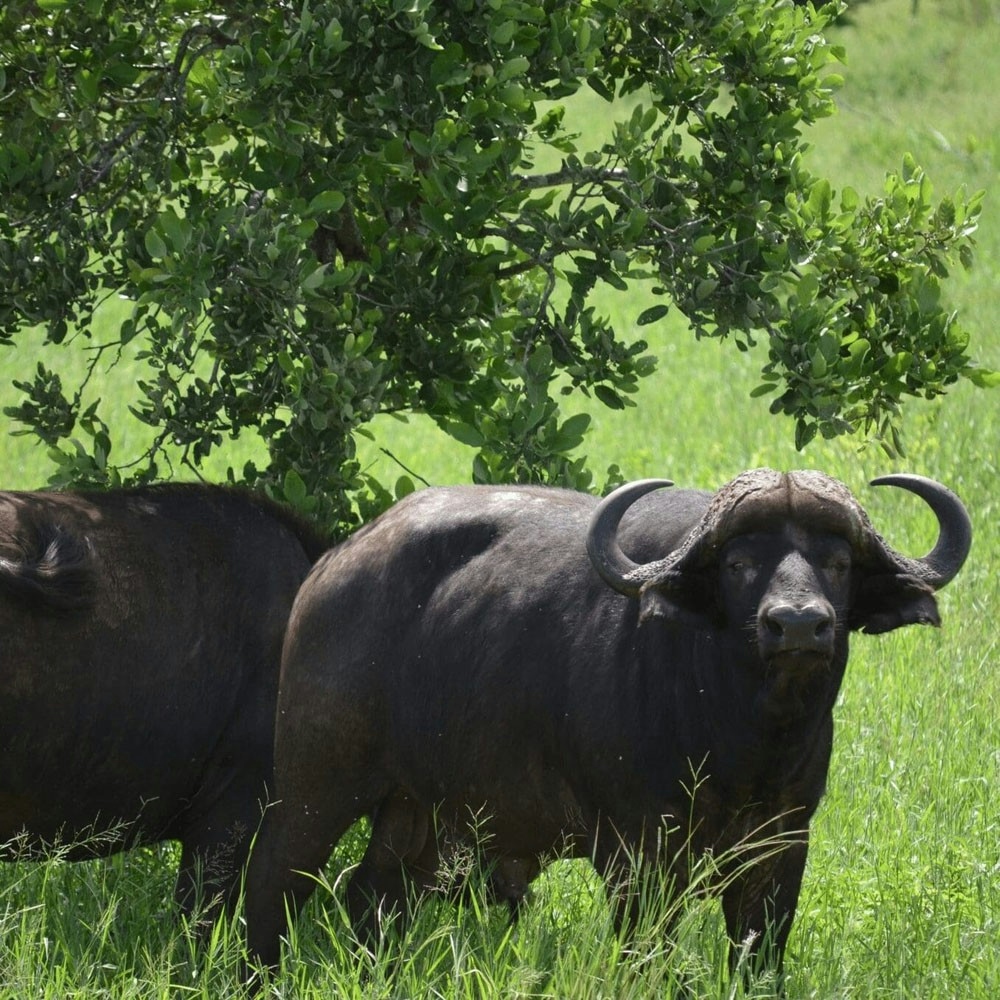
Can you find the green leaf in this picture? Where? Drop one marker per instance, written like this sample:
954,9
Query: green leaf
857,353
705,289
805,431
154,244
436,221
652,315
503,32
88,84
294,488
465,433
609,397
571,432
314,278
326,202
176,230
820,198
985,378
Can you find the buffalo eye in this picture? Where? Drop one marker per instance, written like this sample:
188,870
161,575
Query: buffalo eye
838,565
740,567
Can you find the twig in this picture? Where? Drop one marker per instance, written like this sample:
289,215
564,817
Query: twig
416,475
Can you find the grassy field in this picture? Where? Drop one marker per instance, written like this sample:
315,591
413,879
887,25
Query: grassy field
902,890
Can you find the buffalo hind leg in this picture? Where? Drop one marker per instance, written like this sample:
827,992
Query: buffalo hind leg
294,843
399,865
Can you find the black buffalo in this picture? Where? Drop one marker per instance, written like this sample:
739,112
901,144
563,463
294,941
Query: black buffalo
493,651
140,642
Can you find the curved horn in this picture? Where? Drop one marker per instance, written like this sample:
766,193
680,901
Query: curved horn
943,562
615,568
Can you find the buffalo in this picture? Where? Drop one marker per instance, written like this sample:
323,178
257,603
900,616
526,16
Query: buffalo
140,643
635,681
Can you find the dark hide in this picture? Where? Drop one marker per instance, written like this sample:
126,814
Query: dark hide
140,637
461,656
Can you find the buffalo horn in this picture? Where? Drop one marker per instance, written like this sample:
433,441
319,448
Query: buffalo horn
615,568
943,562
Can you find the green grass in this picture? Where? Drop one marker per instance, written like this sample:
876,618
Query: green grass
902,890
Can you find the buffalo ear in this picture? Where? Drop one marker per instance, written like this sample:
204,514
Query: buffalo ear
887,601
679,599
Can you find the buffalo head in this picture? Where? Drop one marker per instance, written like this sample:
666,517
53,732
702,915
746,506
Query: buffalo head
789,559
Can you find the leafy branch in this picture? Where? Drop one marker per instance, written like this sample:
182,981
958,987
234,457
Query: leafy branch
324,211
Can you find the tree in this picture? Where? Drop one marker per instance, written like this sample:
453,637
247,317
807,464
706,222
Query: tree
325,210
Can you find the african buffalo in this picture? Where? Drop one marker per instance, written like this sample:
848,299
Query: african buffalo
493,651
140,641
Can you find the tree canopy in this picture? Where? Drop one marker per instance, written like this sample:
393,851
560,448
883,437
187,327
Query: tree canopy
325,210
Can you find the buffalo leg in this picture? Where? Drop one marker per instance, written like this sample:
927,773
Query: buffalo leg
326,777
213,858
401,861
296,838
633,866
207,876
759,906
215,833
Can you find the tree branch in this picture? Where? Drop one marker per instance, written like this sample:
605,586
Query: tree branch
566,175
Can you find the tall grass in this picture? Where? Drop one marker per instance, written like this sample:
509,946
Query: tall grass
902,890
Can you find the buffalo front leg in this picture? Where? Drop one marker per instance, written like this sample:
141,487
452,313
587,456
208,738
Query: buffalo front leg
215,844
640,885
208,877
759,906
